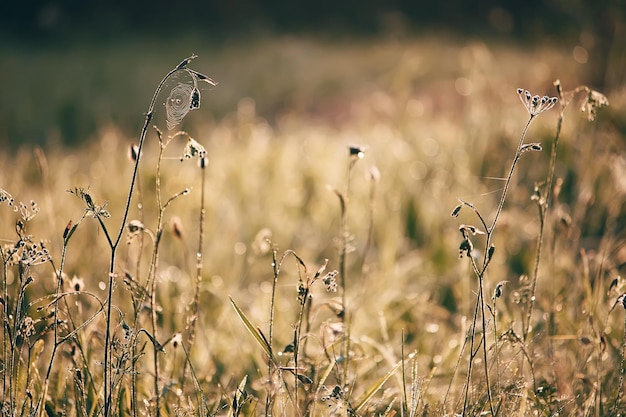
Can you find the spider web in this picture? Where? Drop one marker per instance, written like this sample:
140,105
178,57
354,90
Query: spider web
183,97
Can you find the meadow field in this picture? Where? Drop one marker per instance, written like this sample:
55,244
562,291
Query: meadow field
381,227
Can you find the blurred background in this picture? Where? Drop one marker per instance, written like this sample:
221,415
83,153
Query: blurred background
67,68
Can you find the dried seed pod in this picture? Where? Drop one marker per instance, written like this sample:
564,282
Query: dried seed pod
455,212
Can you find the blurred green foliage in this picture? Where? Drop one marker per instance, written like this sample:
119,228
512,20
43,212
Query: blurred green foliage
67,69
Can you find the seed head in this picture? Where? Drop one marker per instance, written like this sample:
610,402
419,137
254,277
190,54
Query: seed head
594,100
67,229
466,248
330,281
497,292
536,147
356,152
536,104
177,340
193,148
455,212
77,284
135,226
177,227
133,153
490,252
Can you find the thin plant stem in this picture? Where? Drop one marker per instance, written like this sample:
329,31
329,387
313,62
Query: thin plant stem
404,407
114,244
345,238
544,204
152,277
276,270
507,183
193,319
622,370
5,318
481,271
55,329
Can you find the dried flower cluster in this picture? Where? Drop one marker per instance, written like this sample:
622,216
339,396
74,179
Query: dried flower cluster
535,104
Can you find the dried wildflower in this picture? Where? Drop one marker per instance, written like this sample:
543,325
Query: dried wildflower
193,148
128,331
356,152
77,284
468,228
6,197
330,281
490,252
135,226
593,101
28,211
455,212
303,292
177,227
97,211
203,162
466,248
27,327
32,253
497,292
536,104
133,153
321,270
536,147
67,229
176,341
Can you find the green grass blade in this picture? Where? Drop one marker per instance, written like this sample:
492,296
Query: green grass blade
254,331
375,387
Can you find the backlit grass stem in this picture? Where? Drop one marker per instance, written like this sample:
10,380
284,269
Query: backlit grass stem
115,244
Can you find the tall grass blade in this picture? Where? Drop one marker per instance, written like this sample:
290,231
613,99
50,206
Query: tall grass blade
375,387
261,340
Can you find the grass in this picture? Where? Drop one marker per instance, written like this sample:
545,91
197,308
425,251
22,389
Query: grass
310,266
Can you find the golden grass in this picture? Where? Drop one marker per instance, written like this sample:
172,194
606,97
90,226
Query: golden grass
439,121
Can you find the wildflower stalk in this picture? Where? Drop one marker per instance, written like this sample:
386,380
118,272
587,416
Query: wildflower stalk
108,386
593,101
622,369
55,325
535,106
480,302
5,318
355,153
276,270
193,313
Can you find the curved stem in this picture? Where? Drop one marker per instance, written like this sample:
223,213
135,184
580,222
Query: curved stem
107,342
